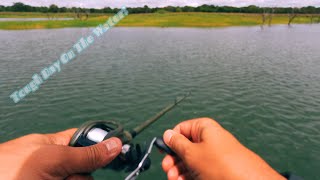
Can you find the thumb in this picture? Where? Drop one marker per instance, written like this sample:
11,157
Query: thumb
88,159
177,142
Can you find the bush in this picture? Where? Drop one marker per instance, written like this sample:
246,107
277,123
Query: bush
161,11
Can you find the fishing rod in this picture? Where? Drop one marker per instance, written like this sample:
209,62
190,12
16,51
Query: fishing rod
132,157
135,131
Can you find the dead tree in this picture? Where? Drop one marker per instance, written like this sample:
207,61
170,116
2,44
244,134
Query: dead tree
48,16
314,18
271,16
263,19
52,16
86,15
267,15
292,15
81,14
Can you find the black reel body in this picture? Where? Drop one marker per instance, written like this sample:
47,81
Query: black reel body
94,132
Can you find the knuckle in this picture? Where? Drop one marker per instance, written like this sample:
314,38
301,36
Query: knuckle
178,146
38,138
173,141
206,121
187,152
174,144
94,159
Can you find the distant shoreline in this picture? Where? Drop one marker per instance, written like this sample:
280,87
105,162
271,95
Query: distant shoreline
194,19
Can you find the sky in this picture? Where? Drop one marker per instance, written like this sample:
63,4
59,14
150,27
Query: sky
162,3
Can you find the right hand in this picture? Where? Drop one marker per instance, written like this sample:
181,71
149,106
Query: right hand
205,151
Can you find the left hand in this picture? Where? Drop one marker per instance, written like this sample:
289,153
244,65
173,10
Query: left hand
39,156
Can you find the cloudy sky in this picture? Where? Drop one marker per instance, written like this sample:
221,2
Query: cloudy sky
161,3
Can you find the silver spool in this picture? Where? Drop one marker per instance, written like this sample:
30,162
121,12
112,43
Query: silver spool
96,135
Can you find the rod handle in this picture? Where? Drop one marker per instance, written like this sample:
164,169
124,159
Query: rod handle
161,145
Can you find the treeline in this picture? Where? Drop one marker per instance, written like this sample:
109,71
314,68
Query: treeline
20,7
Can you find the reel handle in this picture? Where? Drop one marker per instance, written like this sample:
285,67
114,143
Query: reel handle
161,145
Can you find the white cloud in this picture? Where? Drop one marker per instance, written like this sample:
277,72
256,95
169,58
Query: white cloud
161,3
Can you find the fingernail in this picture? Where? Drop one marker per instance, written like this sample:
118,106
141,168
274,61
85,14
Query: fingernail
112,146
180,178
167,136
170,173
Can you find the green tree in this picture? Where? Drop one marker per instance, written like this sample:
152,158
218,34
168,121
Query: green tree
2,8
18,7
170,8
107,10
188,9
309,10
205,8
63,9
253,9
178,9
146,9
43,9
53,8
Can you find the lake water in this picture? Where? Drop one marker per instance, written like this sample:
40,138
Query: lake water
34,19
262,85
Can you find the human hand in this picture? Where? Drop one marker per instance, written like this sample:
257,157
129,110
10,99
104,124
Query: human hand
205,151
48,156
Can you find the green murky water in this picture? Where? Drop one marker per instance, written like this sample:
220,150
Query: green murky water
263,86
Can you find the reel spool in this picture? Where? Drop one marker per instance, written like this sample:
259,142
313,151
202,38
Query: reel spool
94,132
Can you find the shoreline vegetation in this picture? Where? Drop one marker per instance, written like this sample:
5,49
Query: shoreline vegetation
168,19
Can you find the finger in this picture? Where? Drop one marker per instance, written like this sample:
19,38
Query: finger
80,177
177,142
167,163
176,171
62,138
193,129
88,159
182,177
181,167
185,176
173,174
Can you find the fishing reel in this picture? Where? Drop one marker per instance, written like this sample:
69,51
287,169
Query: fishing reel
131,156
93,132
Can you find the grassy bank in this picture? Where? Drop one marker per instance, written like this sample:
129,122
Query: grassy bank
148,20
